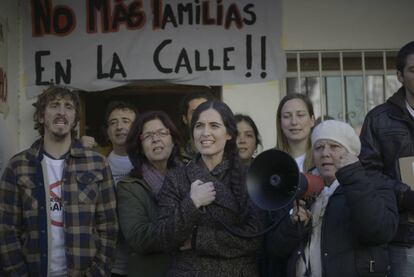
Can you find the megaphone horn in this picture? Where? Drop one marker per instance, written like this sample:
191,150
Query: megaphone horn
274,181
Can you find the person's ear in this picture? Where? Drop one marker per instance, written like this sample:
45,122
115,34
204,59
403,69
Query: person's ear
312,121
107,133
400,76
41,118
184,118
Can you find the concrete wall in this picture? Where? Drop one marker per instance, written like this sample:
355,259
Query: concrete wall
9,123
349,24
260,102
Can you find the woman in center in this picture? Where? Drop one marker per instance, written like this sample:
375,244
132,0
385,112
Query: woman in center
198,200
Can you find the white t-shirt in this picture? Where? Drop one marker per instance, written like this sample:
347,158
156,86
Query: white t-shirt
300,161
410,110
54,169
120,167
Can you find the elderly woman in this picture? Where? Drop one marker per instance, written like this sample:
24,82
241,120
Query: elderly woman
198,199
350,222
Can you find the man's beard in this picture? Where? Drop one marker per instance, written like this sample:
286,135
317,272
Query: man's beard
60,136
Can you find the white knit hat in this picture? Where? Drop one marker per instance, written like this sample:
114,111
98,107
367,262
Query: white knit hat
338,131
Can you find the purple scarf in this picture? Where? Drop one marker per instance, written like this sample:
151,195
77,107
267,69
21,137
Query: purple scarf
153,177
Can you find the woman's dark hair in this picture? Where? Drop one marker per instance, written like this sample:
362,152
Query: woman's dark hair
231,151
282,142
242,117
134,143
228,119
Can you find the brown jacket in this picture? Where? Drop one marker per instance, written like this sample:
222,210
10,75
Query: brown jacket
215,251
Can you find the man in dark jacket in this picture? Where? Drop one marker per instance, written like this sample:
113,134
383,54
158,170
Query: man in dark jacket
388,135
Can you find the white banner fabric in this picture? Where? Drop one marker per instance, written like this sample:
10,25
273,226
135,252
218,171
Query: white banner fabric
100,44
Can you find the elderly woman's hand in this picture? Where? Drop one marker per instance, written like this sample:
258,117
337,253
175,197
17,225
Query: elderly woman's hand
299,213
345,159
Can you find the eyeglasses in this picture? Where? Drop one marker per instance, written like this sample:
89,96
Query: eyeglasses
161,133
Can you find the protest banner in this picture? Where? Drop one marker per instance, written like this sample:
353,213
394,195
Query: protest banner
100,44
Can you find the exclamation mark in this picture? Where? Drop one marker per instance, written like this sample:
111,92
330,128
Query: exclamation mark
248,55
263,60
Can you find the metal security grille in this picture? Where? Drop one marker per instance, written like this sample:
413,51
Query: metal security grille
342,84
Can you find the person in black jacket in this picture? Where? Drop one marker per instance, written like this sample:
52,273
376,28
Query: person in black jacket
350,223
386,136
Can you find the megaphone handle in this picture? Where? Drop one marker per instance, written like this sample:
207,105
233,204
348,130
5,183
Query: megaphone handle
302,246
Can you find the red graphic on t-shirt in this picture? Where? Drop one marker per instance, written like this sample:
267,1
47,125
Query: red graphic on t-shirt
55,202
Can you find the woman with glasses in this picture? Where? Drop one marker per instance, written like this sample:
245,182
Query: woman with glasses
197,202
152,147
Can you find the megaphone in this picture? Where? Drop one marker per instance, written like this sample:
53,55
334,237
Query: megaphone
274,181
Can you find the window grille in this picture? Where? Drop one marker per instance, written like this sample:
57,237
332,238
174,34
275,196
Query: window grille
343,84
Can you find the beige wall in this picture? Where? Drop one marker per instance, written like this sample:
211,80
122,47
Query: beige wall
9,124
347,24
260,102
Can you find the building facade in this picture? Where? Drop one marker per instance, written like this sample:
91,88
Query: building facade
339,52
